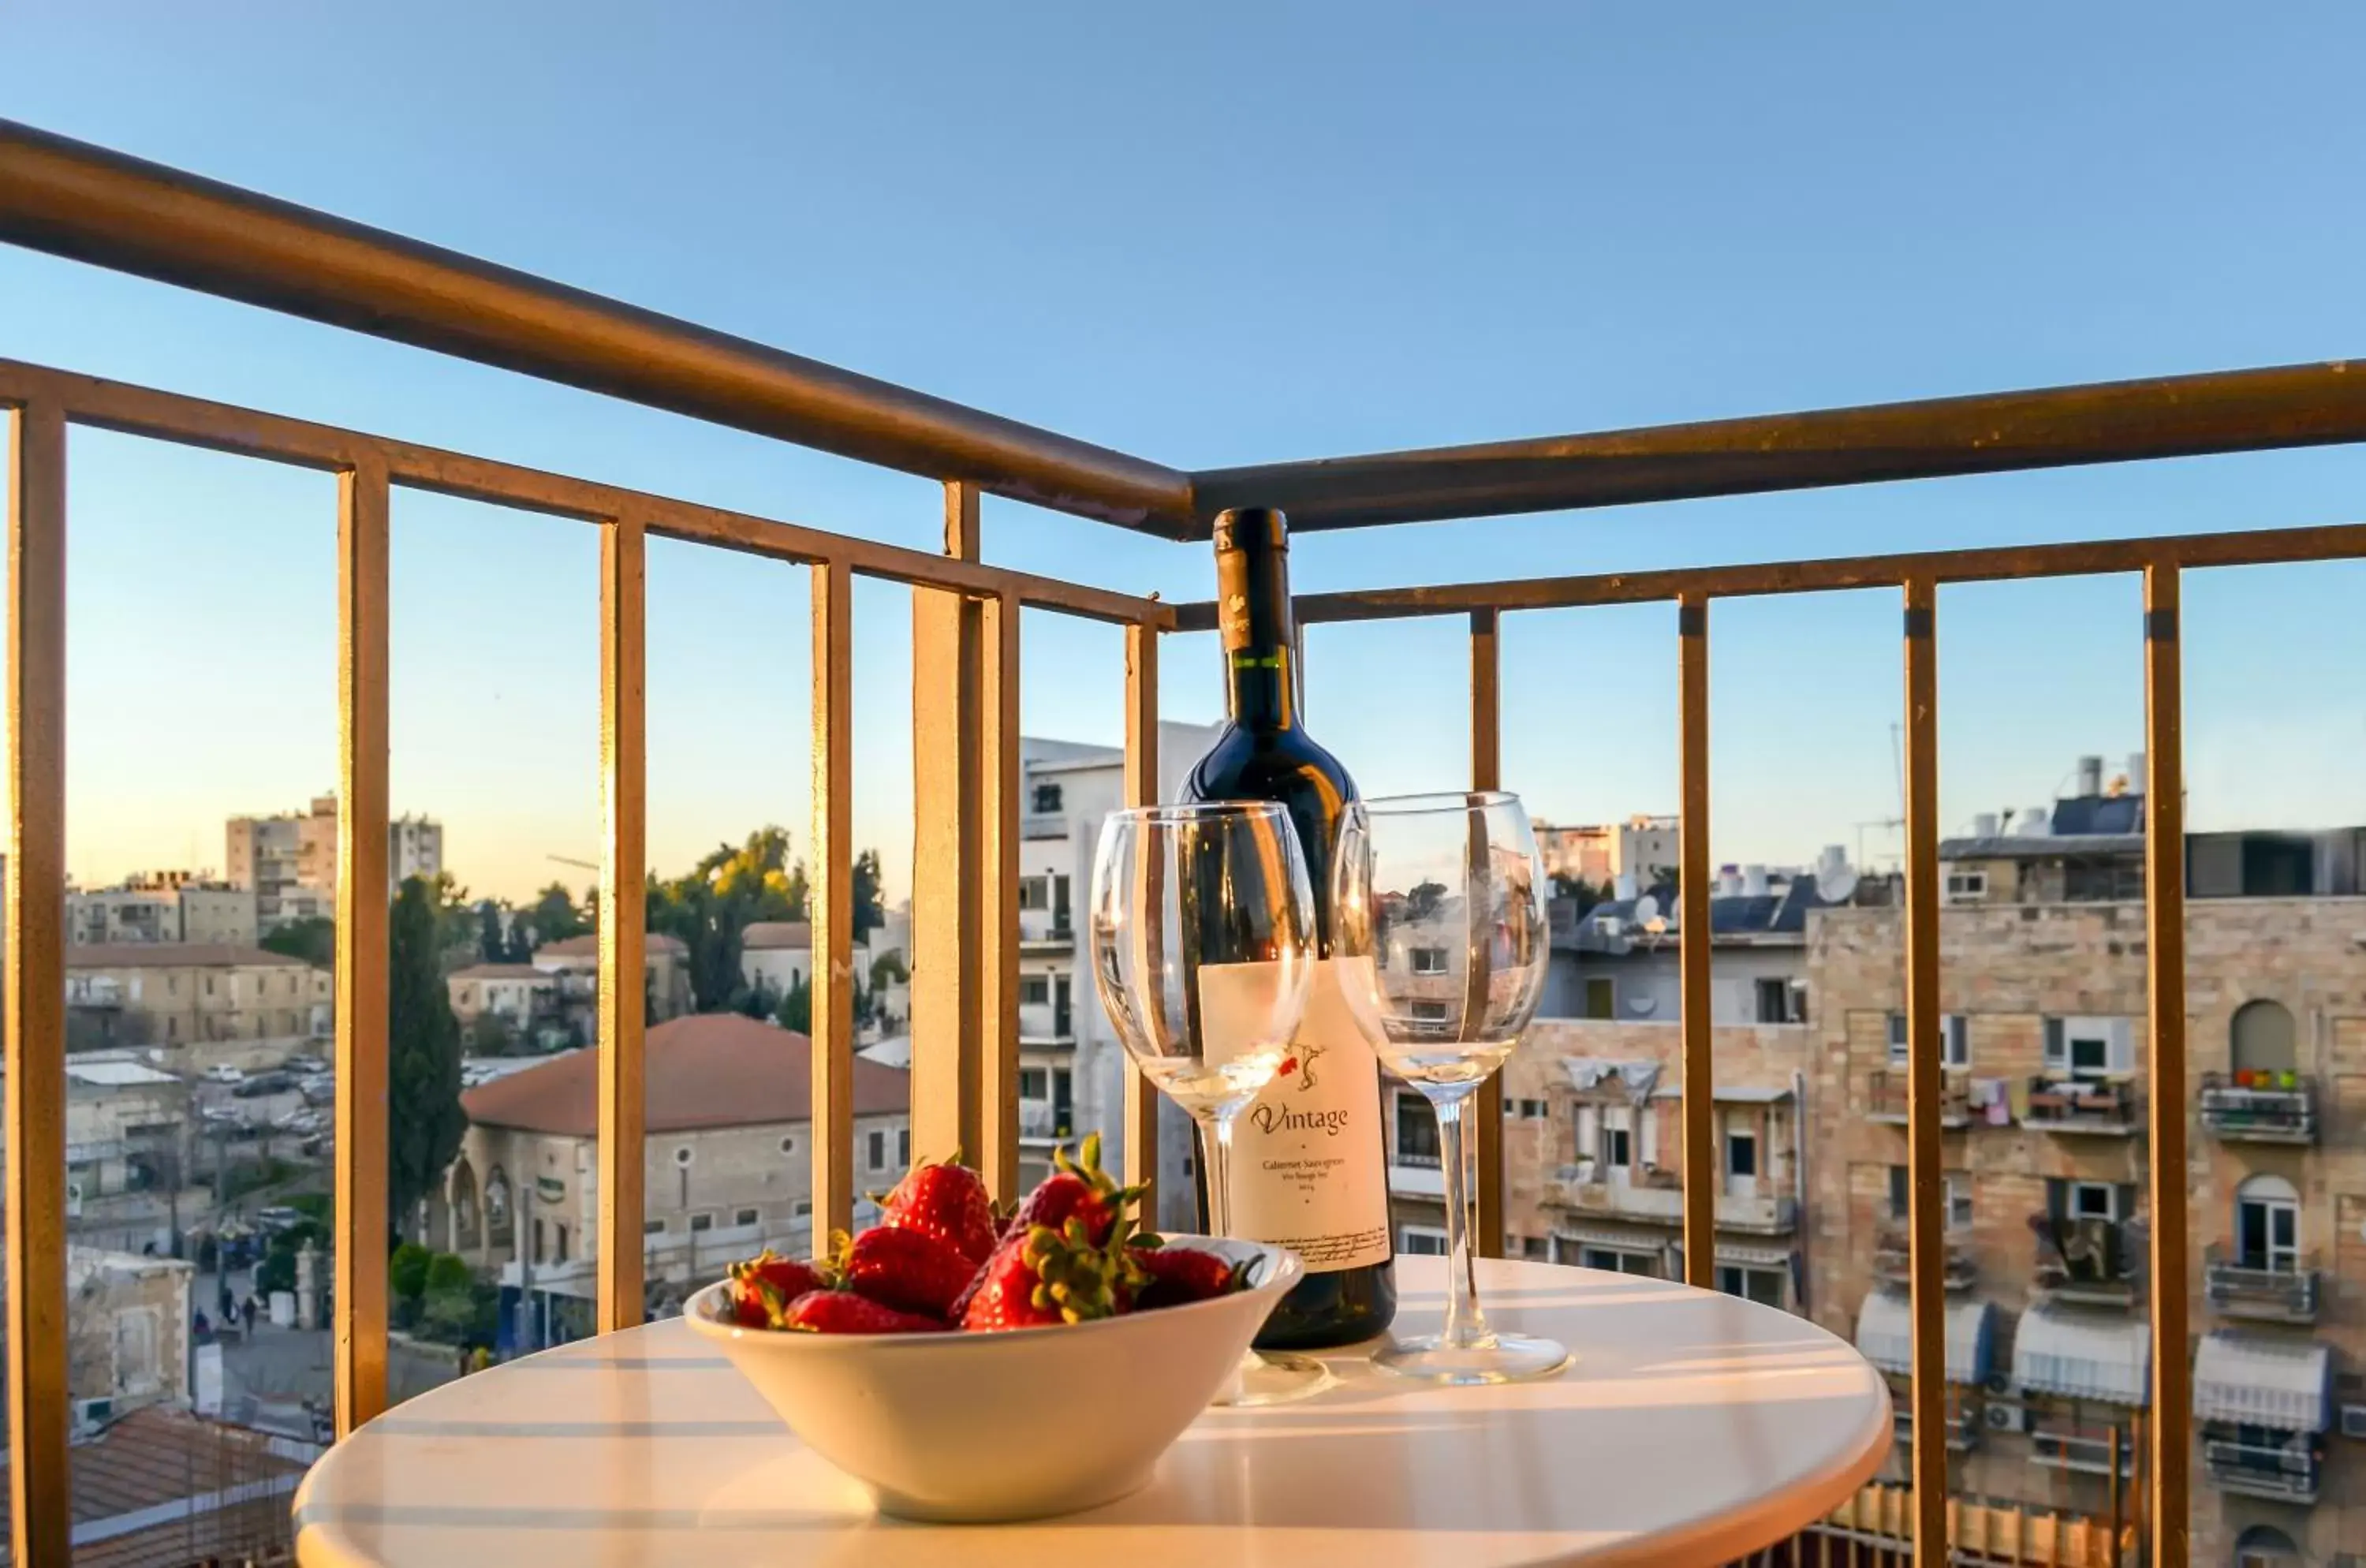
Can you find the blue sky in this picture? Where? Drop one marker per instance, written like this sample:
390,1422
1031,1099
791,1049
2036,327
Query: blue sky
1218,234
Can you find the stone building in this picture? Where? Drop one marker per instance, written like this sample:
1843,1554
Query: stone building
206,1004
575,964
728,1159
162,906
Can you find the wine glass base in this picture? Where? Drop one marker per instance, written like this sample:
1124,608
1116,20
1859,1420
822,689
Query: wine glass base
1274,1380
1496,1358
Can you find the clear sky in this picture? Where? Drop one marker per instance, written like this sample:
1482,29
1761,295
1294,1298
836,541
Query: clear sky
1215,234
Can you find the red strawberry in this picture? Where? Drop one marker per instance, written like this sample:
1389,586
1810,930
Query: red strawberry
908,1269
785,1278
1180,1274
843,1311
1041,1275
948,1201
1078,1191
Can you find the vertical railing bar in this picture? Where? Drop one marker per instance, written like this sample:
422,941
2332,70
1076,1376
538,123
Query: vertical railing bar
1487,774
1141,789
1925,1179
997,899
358,1267
624,909
832,894
2173,1387
39,1474
1695,926
948,684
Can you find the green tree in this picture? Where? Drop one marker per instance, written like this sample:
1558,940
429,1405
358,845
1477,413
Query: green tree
457,922
1583,892
406,1269
424,1116
870,909
795,1010
554,917
313,938
711,906
492,946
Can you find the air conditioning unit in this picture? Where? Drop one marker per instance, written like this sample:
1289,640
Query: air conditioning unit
1998,1382
2353,1420
2004,1416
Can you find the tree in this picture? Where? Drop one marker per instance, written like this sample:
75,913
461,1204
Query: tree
795,1010
313,938
870,911
1423,900
554,917
492,946
424,1116
457,922
714,903
1579,891
406,1270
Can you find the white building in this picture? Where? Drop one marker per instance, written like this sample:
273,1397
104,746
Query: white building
776,957
289,860
164,906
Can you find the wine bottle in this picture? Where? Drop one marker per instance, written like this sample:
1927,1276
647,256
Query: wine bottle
1308,1167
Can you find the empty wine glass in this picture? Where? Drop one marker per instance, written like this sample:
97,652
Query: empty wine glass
1203,948
1438,925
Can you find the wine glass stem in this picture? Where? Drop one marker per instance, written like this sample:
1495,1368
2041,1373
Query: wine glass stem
1216,1169
1465,1325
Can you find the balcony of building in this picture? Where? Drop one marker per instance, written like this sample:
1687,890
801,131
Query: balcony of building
1656,1196
1892,1262
1885,1098
2085,1263
2259,1107
2285,1470
2059,1442
1964,1427
2105,1107
1046,1024
2260,1286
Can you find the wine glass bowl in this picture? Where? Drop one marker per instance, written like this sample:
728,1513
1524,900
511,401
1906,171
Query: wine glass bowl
1438,919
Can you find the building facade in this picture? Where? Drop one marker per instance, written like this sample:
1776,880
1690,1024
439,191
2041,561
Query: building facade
575,964
289,861
163,906
205,1004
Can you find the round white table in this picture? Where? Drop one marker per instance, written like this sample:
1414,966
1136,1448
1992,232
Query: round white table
1694,1429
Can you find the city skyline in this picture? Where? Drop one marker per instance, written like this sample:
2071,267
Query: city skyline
1573,248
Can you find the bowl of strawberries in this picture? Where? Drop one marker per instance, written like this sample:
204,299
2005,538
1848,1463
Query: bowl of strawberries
952,1359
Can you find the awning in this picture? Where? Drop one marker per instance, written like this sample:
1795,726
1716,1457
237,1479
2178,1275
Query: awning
2263,1382
1636,1242
1884,1333
2084,1356
1731,1094
1586,1073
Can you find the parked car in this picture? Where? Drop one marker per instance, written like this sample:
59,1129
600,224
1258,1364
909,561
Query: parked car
304,1065
278,1217
225,1073
263,1084
320,1089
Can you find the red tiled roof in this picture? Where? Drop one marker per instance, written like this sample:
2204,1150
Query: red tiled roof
762,935
715,1069
162,1488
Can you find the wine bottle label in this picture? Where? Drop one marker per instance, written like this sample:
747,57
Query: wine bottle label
1307,1170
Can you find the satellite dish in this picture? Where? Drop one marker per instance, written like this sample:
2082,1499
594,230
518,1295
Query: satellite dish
1647,913
1836,880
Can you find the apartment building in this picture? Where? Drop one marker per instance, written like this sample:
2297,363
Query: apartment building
575,964
728,1161
128,1130
1642,847
206,1004
1072,1066
1619,960
162,906
289,860
776,957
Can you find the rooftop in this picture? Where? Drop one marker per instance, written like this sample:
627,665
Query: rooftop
588,946
718,1069
162,1488
499,972
764,936
177,956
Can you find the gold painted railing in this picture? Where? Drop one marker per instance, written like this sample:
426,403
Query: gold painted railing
85,203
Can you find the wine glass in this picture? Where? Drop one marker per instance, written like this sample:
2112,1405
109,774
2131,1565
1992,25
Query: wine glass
1203,948
1438,925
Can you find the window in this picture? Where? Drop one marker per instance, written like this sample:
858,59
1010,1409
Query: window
1428,959
1601,997
1420,1241
878,1150
745,1217
1763,1286
1618,1144
1897,1040
2262,1039
701,1222
560,1233
1955,1200
2091,1200
1618,1262
805,1208
1954,1041
209,985
2087,1047
1741,1155
788,1145
1034,1083
1416,1131
1967,886
1034,892
904,1147
653,1227
1533,1246
2267,1224
538,1240
136,1333
1431,1013
1524,1110
682,1156
1047,798
1034,990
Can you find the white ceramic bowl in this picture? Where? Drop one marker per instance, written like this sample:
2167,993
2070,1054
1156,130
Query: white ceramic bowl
1012,1426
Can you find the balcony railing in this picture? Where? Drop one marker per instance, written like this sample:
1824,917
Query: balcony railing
2289,1473
1886,1098
2105,1107
1657,1198
1043,825
1047,937
2260,1108
2253,1287
1039,1120
1963,1428
2084,1262
2089,1450
102,208
1893,1263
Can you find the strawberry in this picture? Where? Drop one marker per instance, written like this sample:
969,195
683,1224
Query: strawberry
908,1269
947,1202
1077,1189
843,1311
1041,1275
1179,1274
785,1278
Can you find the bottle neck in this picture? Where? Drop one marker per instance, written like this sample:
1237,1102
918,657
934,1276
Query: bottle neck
1260,636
